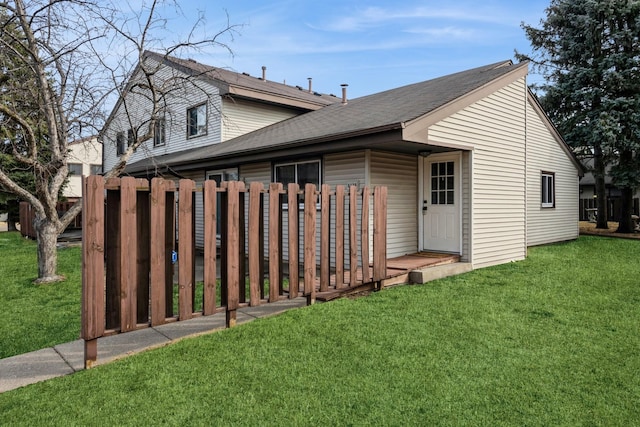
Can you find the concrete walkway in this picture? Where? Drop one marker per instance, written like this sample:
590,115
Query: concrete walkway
65,359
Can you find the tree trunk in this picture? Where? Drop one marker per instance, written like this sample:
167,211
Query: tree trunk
625,225
47,235
601,191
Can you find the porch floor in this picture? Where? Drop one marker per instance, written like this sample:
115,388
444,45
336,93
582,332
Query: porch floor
398,270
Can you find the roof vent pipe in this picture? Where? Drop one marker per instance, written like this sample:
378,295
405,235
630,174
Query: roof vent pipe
344,93
310,90
264,73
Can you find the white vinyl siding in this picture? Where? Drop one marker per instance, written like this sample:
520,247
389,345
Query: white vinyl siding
241,116
495,126
399,173
544,153
178,101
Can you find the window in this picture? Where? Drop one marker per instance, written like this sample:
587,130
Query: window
120,143
95,169
75,169
159,133
548,190
442,183
131,137
299,172
197,121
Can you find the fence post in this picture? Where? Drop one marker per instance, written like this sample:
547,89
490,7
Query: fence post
210,197
92,266
379,235
294,246
310,199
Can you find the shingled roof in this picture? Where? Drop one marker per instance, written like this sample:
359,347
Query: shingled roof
384,111
230,82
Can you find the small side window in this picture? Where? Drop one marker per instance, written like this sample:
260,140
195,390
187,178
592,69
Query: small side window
548,190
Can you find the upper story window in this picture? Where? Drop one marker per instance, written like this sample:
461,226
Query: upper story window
197,121
548,190
298,172
75,169
131,137
159,134
120,147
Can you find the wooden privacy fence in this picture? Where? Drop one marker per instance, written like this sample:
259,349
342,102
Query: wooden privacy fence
129,238
27,216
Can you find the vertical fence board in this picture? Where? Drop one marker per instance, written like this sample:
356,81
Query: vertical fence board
93,314
380,234
364,236
158,250
128,257
143,254
210,197
185,249
275,218
339,236
233,247
353,242
310,242
294,247
256,248
325,216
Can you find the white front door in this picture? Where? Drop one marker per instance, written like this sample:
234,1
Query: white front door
441,203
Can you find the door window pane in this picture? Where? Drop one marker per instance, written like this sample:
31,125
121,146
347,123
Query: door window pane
442,183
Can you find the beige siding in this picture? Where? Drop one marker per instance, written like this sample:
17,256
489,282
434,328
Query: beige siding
345,169
495,126
544,153
241,116
399,173
465,255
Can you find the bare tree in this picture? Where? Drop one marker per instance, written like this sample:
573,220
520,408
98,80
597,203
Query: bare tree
60,48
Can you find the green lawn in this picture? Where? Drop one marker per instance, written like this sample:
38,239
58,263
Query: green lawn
36,316
552,340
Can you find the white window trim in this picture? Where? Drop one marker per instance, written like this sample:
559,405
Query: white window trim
285,206
206,120
160,125
550,178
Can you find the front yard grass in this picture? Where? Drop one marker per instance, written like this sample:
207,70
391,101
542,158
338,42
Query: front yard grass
36,316
552,340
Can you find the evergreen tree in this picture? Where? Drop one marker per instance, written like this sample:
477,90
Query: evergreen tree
589,52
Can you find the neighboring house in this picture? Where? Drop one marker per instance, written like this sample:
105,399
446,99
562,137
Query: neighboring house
471,161
588,196
85,158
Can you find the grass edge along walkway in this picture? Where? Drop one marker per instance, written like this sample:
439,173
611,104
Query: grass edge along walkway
551,340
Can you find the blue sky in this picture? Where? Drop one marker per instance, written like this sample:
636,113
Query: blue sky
370,45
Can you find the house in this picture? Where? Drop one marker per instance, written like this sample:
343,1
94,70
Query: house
85,158
588,196
472,163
